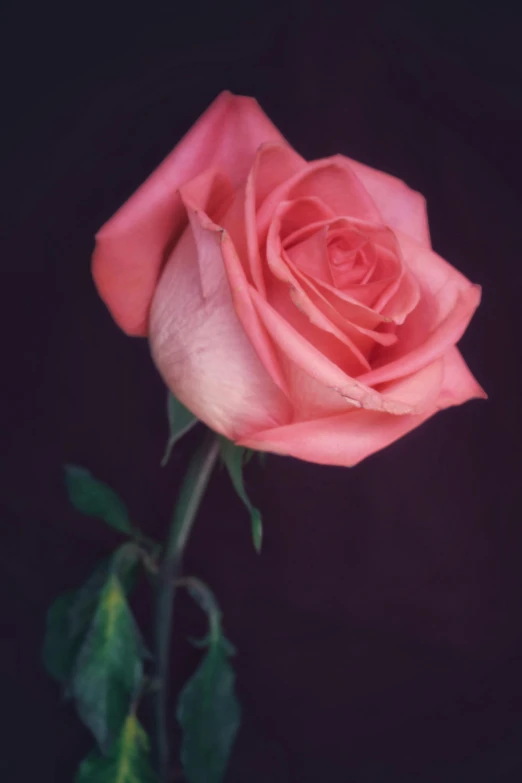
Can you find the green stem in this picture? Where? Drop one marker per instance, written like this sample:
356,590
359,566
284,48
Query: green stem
192,491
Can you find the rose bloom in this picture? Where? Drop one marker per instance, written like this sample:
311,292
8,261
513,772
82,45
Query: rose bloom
295,307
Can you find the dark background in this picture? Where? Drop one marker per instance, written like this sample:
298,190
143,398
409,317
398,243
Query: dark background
380,632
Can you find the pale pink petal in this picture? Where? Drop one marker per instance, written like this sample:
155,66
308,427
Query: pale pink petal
297,349
338,315
311,399
199,345
300,299
448,301
314,362
209,192
397,303
305,253
459,384
191,195
447,333
286,304
402,208
355,321
346,439
391,289
433,272
331,180
347,307
248,315
343,439
133,245
273,164
310,256
302,217
420,391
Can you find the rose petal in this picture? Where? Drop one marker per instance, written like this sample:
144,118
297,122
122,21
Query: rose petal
399,301
297,349
448,301
311,399
395,295
351,325
348,438
447,333
273,164
302,217
131,247
343,439
209,192
192,196
199,345
248,315
402,208
331,180
294,347
459,384
310,256
302,302
419,391
305,248
432,271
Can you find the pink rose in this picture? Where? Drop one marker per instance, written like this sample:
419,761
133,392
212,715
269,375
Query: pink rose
294,307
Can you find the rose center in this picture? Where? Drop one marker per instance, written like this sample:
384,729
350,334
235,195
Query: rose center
350,258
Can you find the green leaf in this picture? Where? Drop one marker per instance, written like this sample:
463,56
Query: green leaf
127,761
59,647
94,648
181,420
247,455
96,499
250,453
124,563
109,667
68,620
208,710
234,456
210,715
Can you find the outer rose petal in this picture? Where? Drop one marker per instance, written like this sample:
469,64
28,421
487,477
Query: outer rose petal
312,400
331,180
297,349
201,348
348,438
301,301
402,209
272,165
132,246
459,384
447,305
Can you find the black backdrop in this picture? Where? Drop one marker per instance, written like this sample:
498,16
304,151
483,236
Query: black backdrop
380,632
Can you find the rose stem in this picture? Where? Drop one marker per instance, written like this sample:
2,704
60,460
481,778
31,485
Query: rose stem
191,494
